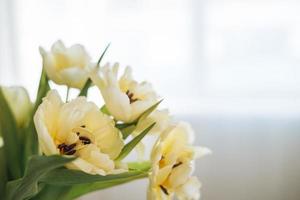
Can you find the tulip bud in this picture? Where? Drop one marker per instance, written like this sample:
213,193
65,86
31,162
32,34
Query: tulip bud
1,142
66,66
19,103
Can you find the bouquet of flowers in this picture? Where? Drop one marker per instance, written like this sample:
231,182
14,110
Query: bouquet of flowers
63,149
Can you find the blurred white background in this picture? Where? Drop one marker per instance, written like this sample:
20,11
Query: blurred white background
231,68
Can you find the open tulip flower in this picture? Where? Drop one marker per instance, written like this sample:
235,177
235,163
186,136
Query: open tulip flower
125,98
56,149
78,128
173,163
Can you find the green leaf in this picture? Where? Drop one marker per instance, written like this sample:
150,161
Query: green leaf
142,166
75,191
81,189
30,143
37,167
51,192
3,172
84,90
143,116
146,113
76,183
88,83
102,55
104,110
127,131
9,132
124,125
130,146
63,176
81,183
42,90
30,135
71,193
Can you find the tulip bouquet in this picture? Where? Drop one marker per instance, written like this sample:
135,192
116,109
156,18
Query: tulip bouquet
63,149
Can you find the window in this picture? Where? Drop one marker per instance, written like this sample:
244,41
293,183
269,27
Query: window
201,56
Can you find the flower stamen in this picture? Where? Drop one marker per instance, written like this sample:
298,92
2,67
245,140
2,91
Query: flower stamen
177,164
164,189
71,152
162,161
61,146
130,96
85,140
67,149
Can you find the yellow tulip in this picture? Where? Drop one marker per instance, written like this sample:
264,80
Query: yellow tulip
125,98
173,163
66,66
78,128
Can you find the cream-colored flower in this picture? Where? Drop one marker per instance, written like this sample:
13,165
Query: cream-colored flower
125,98
66,66
173,163
19,102
1,142
78,128
162,120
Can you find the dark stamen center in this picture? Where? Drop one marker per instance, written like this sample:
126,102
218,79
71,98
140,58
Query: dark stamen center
85,140
61,146
177,164
71,152
67,149
130,96
164,190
